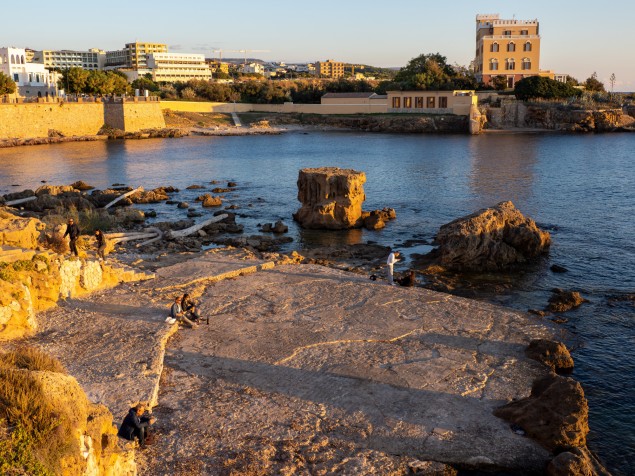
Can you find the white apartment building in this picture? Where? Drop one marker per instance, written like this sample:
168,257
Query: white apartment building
173,67
32,79
93,59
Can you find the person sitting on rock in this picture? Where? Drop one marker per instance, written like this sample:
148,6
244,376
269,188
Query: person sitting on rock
190,308
177,312
135,424
409,279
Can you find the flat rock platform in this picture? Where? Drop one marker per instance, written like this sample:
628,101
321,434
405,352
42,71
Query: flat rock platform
303,369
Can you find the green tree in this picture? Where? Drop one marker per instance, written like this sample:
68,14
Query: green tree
7,85
536,87
499,82
145,84
74,80
593,84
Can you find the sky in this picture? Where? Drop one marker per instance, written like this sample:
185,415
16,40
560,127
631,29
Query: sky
578,37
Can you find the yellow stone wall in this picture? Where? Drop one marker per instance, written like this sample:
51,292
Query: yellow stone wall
30,120
35,119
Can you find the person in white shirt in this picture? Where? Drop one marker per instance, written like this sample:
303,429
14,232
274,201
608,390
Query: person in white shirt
393,257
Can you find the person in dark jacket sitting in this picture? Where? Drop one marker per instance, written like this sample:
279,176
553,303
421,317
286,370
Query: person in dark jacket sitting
190,308
136,424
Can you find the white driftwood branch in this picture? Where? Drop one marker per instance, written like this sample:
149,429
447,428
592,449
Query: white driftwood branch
132,237
195,228
19,201
156,238
121,197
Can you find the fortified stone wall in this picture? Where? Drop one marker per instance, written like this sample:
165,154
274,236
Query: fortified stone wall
30,120
36,119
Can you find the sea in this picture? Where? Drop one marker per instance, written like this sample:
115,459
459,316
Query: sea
579,187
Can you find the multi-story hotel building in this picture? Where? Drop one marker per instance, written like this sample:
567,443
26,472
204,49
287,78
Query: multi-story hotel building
507,47
329,69
133,56
172,67
93,59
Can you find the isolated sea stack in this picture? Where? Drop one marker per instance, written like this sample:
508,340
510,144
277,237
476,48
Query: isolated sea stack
331,198
491,239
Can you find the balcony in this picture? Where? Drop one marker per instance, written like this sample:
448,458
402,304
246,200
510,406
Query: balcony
511,37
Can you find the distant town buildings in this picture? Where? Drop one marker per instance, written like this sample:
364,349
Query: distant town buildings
432,102
32,79
93,59
329,69
252,68
507,47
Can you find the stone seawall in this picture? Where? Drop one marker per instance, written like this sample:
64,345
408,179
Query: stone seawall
31,120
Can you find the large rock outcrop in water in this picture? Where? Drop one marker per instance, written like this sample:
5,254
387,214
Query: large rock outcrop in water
491,239
331,198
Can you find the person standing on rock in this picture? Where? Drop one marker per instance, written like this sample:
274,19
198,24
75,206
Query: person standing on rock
177,312
393,257
101,245
72,230
135,424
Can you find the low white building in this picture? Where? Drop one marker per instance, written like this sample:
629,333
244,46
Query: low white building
32,79
256,68
173,67
93,59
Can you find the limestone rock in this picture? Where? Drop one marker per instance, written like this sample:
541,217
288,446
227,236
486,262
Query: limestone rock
576,462
150,196
562,301
280,227
431,468
194,187
553,354
20,232
54,190
374,222
183,205
211,201
490,239
555,414
331,198
18,195
81,185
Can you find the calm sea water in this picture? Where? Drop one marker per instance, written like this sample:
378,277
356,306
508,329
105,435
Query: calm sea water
580,187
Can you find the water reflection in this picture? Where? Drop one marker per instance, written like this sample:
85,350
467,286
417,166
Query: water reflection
502,168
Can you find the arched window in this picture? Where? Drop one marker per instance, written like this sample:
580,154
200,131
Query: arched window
23,60
528,46
510,64
12,59
511,47
526,63
493,64
494,48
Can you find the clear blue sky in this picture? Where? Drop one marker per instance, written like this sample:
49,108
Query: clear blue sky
578,37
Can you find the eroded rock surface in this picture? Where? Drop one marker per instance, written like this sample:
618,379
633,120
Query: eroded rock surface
490,239
553,354
331,198
556,414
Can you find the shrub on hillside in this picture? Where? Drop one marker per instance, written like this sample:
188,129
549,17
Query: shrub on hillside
536,87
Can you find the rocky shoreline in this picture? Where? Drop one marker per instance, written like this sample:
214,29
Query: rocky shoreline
343,373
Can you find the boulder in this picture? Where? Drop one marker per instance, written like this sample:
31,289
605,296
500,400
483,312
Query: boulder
212,202
81,185
331,198
101,198
232,184
183,205
19,195
576,462
374,222
280,227
53,190
194,187
20,232
431,468
150,196
553,354
491,239
562,301
555,414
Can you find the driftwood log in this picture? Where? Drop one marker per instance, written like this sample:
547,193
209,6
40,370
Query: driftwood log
193,229
121,197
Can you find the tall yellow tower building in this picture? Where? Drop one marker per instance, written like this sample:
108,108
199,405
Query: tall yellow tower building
510,48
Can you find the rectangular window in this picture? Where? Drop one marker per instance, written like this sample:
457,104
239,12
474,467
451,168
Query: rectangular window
430,102
443,102
419,102
507,33
407,102
16,78
396,103
524,32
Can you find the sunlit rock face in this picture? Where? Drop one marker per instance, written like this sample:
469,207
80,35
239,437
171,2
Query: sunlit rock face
331,198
